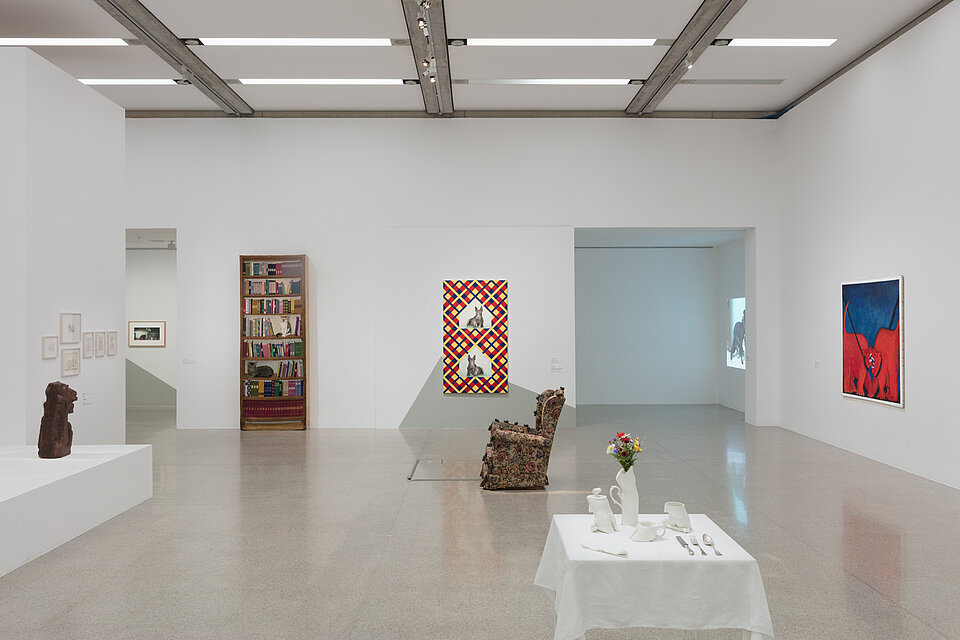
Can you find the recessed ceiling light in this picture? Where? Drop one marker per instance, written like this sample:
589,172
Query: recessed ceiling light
296,42
781,42
560,42
127,81
553,81
293,81
62,42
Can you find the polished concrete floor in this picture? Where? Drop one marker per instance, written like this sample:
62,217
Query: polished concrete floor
320,535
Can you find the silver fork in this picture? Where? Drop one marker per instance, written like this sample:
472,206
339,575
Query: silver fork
693,539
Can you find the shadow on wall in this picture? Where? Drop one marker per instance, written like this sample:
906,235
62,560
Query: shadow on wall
435,410
146,390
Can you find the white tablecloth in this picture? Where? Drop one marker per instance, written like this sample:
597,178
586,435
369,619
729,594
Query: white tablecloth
658,585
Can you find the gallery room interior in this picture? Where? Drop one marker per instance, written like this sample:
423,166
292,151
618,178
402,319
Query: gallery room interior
723,227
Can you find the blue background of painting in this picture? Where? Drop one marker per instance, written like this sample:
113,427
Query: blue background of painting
871,308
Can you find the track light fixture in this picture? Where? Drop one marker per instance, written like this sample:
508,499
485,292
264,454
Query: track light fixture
422,23
425,62
688,60
425,4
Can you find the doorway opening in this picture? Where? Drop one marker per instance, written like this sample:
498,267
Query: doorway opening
653,316
151,314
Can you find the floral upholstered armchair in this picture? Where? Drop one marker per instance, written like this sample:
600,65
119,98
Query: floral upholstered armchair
517,455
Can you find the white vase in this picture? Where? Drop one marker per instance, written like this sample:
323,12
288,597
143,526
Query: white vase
629,499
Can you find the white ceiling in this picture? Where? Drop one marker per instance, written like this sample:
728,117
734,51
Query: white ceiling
857,25
151,238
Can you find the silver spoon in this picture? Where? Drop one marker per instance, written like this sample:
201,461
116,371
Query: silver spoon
707,540
693,539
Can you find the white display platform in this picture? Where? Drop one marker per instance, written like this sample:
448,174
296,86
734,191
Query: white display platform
44,503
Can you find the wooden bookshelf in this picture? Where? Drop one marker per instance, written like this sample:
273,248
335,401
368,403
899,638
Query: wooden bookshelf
273,289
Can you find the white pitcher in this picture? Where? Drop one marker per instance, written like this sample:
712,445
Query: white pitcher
603,519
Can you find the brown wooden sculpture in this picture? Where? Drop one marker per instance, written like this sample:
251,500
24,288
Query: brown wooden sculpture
56,434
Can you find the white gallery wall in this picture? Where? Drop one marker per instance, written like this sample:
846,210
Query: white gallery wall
151,295
730,277
333,183
646,325
62,204
871,192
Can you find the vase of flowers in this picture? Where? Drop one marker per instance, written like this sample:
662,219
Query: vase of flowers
625,448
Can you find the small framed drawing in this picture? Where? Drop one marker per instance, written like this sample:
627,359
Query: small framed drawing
49,347
111,343
88,344
101,349
70,362
69,328
147,334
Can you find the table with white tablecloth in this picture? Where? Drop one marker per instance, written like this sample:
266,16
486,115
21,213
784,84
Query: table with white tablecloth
658,584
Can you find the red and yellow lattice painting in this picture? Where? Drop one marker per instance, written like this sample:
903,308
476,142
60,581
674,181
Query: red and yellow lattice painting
474,336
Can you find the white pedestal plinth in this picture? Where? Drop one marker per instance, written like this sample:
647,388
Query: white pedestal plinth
44,503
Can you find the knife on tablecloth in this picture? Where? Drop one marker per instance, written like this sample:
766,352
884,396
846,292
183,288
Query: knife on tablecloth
685,545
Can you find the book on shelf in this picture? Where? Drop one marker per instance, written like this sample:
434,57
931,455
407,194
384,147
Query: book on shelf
258,268
283,349
272,388
288,368
273,287
277,409
278,306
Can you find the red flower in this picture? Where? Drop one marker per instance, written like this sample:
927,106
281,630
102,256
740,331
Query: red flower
620,435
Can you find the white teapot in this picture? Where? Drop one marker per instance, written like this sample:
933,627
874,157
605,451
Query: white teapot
603,519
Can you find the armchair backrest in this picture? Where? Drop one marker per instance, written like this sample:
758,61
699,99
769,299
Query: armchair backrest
549,405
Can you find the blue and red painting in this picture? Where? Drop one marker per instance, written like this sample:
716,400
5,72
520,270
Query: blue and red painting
873,340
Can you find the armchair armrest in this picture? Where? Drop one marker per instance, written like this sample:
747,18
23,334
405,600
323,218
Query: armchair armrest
513,437
507,426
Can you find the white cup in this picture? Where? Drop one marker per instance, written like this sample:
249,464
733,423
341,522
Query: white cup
647,531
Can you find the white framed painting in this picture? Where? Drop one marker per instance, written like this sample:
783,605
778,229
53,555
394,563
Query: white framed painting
70,362
146,334
70,328
101,340
49,346
88,344
111,343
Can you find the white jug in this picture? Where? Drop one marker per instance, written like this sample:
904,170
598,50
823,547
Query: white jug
647,531
677,517
603,519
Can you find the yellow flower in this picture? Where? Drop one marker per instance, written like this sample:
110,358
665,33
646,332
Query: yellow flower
636,447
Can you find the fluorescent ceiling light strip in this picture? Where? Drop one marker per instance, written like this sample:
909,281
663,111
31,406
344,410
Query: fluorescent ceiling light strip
126,81
561,42
553,81
62,42
342,81
296,42
781,42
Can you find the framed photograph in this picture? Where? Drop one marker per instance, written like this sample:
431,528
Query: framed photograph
88,344
147,334
111,343
69,328
873,340
70,362
101,339
49,348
